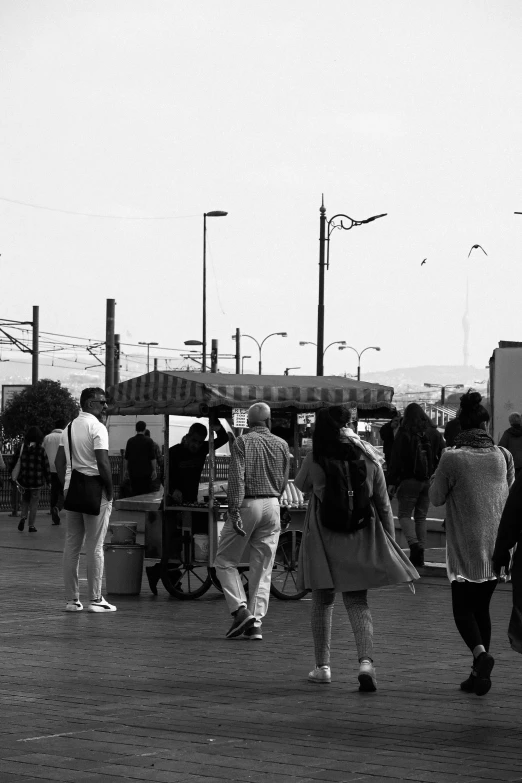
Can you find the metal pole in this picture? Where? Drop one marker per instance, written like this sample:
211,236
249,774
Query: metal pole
238,352
155,364
148,354
214,356
116,369
320,308
109,343
204,349
36,333
443,396
260,365
358,372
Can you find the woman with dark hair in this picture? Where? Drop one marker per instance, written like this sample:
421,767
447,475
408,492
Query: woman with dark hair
348,541
415,455
473,480
34,474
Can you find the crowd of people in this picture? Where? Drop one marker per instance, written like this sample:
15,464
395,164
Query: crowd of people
348,541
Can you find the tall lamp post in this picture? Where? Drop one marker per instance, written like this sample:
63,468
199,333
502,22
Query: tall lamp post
326,228
359,354
148,351
336,342
443,389
215,213
260,344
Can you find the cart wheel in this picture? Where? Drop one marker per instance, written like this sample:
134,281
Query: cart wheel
243,571
284,573
187,581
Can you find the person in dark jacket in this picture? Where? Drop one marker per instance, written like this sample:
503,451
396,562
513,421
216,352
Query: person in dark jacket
508,535
512,440
387,434
451,430
411,480
34,474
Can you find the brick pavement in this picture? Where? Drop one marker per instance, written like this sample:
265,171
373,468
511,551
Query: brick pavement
155,693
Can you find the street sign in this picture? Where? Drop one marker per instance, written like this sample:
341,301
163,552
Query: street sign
240,417
9,391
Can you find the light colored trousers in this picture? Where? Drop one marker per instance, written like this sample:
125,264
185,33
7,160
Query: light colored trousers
262,526
91,529
29,505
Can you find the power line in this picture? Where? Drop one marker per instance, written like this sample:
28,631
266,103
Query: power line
95,215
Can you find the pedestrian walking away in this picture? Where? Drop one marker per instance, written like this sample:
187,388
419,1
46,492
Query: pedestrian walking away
51,443
90,457
415,455
473,480
348,543
512,440
31,474
258,474
140,461
504,561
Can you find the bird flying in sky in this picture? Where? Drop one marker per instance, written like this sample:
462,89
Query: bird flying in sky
476,247
423,262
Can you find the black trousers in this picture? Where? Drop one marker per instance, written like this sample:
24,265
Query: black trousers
56,492
470,602
141,485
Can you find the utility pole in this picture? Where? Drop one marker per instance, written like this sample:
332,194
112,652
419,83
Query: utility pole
214,356
238,352
155,364
109,343
116,359
36,333
320,307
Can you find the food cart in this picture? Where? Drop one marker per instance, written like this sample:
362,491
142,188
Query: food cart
214,396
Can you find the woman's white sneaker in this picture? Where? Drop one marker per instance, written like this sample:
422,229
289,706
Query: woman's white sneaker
73,606
101,606
320,675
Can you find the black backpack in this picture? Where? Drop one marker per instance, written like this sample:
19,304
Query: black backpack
346,505
422,454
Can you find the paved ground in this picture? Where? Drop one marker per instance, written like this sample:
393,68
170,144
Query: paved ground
155,693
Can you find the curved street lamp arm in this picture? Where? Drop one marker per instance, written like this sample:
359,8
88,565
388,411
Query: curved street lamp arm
369,348
341,225
266,338
252,338
342,347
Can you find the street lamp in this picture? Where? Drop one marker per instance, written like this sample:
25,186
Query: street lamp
287,371
243,363
443,389
335,342
215,213
359,354
148,351
325,230
260,345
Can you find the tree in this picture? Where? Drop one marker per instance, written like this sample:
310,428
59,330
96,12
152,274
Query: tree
40,405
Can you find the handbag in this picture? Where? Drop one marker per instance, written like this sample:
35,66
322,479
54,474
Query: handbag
16,470
85,492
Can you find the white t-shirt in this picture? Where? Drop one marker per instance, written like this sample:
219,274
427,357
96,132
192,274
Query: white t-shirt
51,443
87,434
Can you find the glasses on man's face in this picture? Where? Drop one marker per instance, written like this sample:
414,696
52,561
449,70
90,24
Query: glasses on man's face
102,402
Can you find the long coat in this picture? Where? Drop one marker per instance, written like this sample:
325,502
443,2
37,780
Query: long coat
362,560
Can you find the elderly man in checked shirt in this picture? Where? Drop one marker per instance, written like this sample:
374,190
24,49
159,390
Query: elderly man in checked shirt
258,473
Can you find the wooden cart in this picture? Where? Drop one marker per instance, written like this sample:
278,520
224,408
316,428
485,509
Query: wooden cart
184,572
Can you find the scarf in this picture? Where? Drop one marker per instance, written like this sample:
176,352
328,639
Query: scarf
474,439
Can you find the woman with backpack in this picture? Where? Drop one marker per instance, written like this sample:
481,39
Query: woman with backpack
473,480
348,541
415,455
33,474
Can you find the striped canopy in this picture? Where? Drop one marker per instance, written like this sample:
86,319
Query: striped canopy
194,394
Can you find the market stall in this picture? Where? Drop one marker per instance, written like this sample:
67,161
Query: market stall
214,396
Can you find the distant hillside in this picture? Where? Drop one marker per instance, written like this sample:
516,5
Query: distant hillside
404,379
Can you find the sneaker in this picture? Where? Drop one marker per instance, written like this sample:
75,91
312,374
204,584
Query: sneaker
55,514
253,633
242,620
73,606
153,576
483,666
21,524
417,555
320,675
469,684
101,605
367,678
32,529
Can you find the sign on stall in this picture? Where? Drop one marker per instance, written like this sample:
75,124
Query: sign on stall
240,417
9,391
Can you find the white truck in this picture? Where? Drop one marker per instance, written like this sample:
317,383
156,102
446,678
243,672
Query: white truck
505,385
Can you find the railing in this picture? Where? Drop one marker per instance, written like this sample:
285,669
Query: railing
438,413
10,495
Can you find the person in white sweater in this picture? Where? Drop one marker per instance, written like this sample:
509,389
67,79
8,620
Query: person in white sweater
473,480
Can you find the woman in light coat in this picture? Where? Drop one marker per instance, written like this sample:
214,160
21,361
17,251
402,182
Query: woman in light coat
335,561
473,480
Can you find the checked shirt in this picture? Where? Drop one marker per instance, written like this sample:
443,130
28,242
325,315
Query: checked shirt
259,465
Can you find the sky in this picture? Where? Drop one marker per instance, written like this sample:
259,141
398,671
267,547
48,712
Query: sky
123,121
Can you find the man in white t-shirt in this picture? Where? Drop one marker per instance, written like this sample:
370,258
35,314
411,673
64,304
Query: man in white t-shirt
90,447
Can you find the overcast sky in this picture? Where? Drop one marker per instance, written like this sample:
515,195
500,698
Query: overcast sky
156,108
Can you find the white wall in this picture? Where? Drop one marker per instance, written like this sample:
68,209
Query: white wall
507,389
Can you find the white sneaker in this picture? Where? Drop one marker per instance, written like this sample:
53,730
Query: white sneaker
73,606
367,677
321,675
101,606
